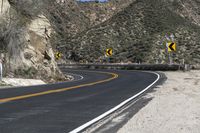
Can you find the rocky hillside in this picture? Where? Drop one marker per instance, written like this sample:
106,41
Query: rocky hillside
25,40
69,18
137,33
31,31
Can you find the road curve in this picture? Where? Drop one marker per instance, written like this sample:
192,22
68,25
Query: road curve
63,107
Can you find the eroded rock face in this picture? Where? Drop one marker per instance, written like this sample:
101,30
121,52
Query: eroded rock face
28,52
4,7
30,8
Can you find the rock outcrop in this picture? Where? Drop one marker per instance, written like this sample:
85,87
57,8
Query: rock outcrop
26,47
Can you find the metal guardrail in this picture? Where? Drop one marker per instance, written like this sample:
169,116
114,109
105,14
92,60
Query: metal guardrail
155,67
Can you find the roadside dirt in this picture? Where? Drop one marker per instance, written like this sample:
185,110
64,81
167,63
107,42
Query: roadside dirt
7,82
175,107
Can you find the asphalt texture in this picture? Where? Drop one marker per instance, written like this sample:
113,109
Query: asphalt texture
64,111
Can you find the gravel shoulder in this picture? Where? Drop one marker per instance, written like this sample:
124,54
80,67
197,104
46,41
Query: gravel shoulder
8,82
175,107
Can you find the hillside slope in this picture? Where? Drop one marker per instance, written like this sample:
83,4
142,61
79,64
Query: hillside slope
30,32
136,34
137,31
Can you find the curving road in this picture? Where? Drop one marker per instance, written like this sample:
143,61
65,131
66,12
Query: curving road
68,106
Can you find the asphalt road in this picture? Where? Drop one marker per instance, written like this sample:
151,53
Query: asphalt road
62,107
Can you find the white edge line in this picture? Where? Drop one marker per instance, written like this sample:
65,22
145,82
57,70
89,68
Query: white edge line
81,77
113,109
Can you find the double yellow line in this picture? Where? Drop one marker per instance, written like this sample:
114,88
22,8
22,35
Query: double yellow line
114,76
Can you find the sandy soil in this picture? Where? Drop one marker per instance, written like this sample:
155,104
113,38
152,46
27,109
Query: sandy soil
175,107
21,82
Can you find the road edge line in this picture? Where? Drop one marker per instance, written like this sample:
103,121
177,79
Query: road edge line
80,77
82,127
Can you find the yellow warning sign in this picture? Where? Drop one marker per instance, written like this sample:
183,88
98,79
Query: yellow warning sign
109,52
171,46
58,55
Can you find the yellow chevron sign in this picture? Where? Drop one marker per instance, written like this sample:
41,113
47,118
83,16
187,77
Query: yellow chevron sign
171,46
109,52
58,55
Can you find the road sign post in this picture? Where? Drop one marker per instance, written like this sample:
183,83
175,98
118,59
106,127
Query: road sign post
58,55
171,47
109,52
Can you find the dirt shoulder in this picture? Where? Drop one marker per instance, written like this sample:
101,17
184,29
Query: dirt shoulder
8,82
175,107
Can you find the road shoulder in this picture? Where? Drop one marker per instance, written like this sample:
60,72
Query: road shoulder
114,121
9,82
174,107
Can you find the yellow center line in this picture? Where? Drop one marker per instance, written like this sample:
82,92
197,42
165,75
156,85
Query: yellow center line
114,76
